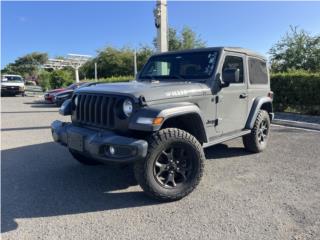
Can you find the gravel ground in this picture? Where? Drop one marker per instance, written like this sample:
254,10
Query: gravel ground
47,195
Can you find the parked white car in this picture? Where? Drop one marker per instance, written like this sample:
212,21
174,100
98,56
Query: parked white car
12,84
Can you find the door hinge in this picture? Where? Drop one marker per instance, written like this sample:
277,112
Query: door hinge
219,98
217,121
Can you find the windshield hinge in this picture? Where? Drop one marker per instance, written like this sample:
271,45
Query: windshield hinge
142,101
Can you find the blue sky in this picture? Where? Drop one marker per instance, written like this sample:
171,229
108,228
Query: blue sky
60,28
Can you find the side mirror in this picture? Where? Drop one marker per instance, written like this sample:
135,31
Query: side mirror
230,75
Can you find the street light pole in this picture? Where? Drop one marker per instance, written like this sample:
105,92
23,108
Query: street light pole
135,69
77,74
95,72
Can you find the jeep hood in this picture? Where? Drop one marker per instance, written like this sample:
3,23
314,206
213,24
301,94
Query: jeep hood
151,91
65,91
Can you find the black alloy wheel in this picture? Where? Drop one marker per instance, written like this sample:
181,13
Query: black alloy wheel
173,166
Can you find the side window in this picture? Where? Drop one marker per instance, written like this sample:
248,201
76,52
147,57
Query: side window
258,73
233,62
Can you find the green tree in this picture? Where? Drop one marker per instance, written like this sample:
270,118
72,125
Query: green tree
60,78
185,39
143,54
174,41
27,65
115,62
44,79
296,50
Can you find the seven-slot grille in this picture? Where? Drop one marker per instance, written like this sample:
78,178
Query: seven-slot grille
96,110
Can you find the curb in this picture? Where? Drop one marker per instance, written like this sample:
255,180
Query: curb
296,124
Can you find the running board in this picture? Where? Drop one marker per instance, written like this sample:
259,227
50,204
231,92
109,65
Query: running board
226,138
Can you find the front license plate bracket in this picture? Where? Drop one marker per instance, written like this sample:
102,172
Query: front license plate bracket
75,141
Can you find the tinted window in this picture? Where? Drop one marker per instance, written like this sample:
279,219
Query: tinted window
11,78
258,73
193,65
232,62
73,86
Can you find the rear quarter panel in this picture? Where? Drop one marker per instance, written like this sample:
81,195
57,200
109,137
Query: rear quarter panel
256,90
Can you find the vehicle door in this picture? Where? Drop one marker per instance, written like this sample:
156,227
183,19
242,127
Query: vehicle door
232,105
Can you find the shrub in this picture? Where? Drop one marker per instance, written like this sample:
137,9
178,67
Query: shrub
60,78
296,91
44,80
116,79
112,79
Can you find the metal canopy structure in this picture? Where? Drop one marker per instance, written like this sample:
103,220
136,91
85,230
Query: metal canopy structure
72,60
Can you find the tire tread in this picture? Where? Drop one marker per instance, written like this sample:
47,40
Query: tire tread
250,141
155,140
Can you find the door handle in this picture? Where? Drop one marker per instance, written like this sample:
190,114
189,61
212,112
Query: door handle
243,95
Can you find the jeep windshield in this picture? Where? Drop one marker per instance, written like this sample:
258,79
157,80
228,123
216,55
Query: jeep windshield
11,79
180,66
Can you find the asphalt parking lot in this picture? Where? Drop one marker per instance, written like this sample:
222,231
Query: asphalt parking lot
47,195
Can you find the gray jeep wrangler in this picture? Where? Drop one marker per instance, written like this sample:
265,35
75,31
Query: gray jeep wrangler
180,103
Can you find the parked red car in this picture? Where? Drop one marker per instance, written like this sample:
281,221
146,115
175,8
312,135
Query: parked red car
49,96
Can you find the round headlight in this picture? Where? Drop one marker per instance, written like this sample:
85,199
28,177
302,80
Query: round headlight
127,107
76,101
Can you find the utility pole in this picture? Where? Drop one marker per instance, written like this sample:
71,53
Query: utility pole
95,72
135,70
77,74
161,23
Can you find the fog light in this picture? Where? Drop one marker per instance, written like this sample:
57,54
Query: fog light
112,150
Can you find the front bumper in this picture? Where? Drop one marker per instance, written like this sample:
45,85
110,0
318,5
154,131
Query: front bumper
96,144
12,90
49,98
60,101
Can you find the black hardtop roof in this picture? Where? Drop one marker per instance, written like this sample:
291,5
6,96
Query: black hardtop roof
229,49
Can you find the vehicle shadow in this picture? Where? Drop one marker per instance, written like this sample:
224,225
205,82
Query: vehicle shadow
40,104
35,102
224,151
43,180
45,105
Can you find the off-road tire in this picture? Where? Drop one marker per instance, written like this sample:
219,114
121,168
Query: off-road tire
159,142
251,141
83,159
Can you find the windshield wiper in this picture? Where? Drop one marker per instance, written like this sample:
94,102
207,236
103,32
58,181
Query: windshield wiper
178,77
163,78
148,77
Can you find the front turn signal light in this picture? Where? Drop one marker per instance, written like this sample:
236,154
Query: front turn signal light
157,120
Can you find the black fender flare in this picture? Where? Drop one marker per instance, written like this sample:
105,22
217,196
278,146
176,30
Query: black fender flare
258,104
167,111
